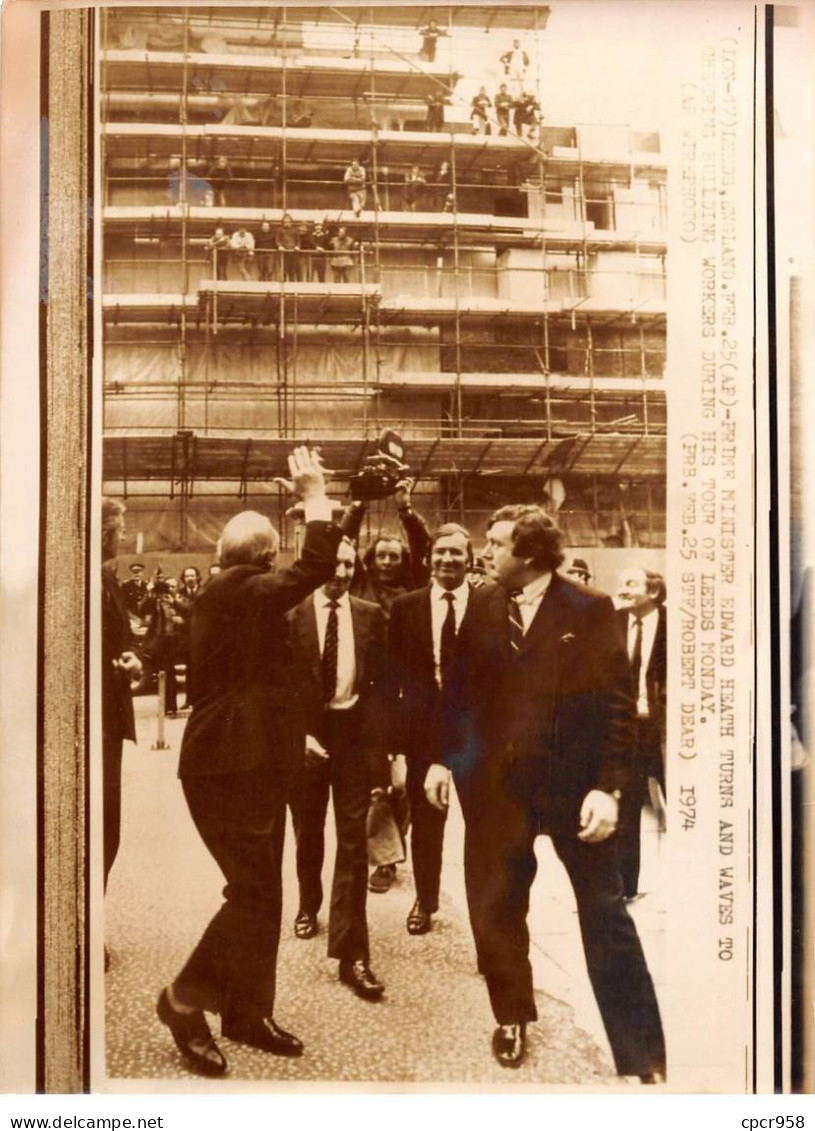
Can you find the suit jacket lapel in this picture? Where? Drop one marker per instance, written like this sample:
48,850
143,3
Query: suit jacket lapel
310,640
361,624
543,637
546,624
423,624
658,645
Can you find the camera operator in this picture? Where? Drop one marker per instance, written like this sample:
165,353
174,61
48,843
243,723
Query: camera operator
391,565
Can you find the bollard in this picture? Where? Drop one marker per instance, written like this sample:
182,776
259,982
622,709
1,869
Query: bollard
160,744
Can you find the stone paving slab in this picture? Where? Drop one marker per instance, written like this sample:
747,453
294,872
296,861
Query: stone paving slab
433,1026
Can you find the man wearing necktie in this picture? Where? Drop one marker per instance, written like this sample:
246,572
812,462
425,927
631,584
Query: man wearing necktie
338,643
537,722
422,634
641,596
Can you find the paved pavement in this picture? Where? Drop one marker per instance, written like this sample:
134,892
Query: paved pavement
434,1024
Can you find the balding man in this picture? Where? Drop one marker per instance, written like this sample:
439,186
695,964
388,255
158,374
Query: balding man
241,747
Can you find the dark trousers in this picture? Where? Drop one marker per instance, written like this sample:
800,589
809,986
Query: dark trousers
112,796
291,266
241,819
427,837
347,775
499,867
646,761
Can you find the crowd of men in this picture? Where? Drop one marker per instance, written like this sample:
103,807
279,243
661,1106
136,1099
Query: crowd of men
374,680
289,252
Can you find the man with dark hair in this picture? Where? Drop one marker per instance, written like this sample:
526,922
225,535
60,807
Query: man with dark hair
241,748
503,106
537,725
422,633
578,570
338,644
430,33
641,596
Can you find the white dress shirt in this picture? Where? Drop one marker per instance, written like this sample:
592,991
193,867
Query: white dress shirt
650,621
344,697
530,597
438,615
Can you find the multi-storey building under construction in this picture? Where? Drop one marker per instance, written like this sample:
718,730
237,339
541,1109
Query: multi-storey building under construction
317,224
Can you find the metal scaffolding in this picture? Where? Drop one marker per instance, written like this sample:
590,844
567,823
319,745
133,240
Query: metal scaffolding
535,342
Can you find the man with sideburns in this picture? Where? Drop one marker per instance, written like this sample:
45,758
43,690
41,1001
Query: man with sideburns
537,723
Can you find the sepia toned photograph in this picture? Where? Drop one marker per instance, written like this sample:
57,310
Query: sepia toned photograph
378,234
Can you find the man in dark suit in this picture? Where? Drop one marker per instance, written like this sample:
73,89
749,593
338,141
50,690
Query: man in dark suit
537,729
338,644
422,634
242,744
135,589
641,595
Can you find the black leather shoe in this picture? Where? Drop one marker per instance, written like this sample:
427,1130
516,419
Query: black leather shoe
261,1033
509,1045
361,979
192,1037
382,878
305,925
418,920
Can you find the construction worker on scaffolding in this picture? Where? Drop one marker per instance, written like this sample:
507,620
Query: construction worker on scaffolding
355,181
515,62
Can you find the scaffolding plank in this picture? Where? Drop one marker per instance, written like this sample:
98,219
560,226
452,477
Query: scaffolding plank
521,384
229,458
393,146
299,74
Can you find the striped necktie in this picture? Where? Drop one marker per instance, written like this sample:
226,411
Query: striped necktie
516,624
331,649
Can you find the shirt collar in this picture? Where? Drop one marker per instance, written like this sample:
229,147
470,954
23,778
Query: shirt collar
343,601
534,590
437,591
643,616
